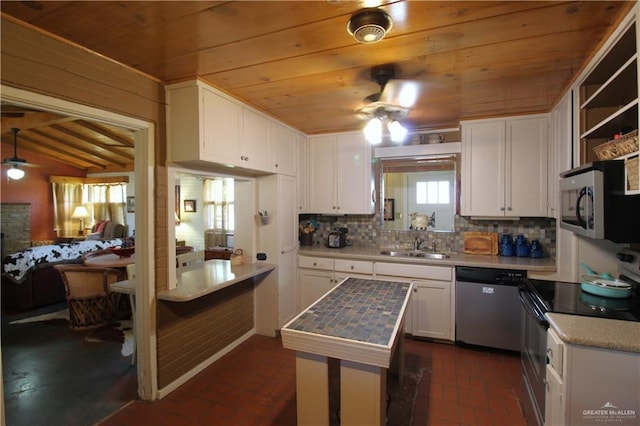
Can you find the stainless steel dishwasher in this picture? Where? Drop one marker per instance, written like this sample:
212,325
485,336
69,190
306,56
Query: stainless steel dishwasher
488,307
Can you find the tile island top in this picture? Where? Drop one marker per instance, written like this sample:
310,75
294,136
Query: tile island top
359,320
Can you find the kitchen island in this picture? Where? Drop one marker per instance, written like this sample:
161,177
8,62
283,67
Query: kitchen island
359,322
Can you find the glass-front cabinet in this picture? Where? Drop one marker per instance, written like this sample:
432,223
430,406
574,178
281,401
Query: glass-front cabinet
608,107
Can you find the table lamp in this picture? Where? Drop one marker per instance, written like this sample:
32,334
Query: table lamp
81,213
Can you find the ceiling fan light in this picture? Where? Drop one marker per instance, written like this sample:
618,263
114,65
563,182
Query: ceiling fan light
397,131
15,173
373,131
369,25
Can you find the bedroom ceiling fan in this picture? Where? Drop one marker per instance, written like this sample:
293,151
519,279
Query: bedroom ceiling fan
391,104
15,172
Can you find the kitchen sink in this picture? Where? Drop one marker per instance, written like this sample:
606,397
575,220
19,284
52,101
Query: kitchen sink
414,253
434,255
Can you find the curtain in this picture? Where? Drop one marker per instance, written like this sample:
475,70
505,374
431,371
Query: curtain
106,202
218,196
66,197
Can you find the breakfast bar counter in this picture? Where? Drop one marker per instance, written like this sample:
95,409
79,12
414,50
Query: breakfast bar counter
359,322
211,276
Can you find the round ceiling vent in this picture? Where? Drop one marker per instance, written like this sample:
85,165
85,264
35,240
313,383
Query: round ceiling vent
369,25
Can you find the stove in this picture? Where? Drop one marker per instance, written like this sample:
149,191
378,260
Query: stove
568,298
539,297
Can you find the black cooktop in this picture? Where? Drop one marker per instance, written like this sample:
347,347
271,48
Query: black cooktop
568,298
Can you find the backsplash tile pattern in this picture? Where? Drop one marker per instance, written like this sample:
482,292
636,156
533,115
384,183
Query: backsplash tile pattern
364,231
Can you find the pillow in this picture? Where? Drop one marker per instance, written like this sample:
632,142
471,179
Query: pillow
101,225
93,236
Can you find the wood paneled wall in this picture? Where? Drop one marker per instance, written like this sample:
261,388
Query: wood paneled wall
189,333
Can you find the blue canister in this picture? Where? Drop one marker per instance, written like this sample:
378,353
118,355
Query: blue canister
522,247
506,246
536,249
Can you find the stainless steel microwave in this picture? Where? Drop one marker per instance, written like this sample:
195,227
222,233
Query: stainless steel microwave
593,203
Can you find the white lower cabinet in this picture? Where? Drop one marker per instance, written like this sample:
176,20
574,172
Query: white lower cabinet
590,385
313,284
318,275
431,305
431,314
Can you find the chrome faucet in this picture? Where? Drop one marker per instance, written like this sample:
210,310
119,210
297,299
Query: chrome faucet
417,243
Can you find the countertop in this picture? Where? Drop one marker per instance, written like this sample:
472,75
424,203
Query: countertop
545,264
358,320
603,333
211,276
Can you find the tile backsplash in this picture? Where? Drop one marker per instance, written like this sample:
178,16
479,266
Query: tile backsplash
364,231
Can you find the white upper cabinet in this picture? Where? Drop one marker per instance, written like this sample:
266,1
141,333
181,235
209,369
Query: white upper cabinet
253,150
340,175
302,145
504,167
282,149
207,126
201,125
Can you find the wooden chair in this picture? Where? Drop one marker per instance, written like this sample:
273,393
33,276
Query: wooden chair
189,259
87,292
131,271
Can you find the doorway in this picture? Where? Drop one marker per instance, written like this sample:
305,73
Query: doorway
144,137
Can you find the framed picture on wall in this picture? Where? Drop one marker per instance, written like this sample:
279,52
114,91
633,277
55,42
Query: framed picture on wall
131,204
190,206
389,209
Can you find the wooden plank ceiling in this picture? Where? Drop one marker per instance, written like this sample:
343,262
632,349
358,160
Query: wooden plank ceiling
296,62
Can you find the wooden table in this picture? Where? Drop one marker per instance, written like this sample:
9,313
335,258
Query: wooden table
109,260
360,322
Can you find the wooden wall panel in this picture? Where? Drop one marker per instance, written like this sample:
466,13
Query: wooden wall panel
192,332
43,64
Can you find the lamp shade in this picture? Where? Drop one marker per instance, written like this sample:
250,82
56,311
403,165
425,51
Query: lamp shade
80,212
373,131
15,173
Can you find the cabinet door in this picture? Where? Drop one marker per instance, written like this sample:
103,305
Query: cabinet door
354,184
554,398
287,235
221,121
253,152
526,168
282,150
312,285
322,175
302,146
483,177
431,309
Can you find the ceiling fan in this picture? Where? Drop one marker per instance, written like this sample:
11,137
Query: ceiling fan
15,172
392,103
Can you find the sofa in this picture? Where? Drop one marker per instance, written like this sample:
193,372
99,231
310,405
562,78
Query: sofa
29,279
106,230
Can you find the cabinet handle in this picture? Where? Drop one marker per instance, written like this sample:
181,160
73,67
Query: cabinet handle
415,290
502,209
314,264
246,158
352,267
282,252
276,165
334,207
509,208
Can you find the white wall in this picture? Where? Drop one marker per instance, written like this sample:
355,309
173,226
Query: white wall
191,227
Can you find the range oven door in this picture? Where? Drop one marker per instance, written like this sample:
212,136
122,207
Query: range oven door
533,358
